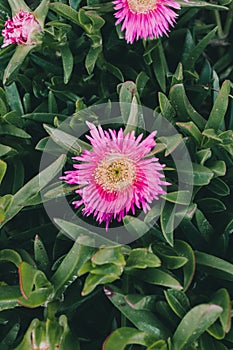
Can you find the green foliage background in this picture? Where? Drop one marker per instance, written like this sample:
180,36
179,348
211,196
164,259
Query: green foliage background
167,291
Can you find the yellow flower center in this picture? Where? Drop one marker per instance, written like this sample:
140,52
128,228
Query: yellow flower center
115,173
142,6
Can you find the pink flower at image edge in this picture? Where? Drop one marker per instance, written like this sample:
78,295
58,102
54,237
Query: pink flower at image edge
21,29
145,19
115,177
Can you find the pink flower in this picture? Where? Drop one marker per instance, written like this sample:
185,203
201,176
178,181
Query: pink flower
115,177
21,29
144,19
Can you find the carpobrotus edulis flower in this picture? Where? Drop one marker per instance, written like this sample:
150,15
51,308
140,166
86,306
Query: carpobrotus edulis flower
114,177
143,19
21,29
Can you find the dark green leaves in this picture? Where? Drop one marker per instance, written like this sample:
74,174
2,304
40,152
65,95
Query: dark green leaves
194,323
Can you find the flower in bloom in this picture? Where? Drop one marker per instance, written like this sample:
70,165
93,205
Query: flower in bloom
144,19
115,178
21,29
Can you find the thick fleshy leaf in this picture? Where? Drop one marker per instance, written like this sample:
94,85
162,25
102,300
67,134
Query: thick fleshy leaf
180,102
121,337
65,11
185,250
9,297
108,255
67,61
222,298
215,266
220,107
3,167
81,234
33,187
16,61
67,272
41,256
141,258
157,276
196,52
178,301
17,5
142,319
194,323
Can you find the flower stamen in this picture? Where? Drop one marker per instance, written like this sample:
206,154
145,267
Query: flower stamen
142,6
115,173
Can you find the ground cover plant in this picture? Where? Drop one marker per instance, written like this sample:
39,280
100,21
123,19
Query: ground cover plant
121,112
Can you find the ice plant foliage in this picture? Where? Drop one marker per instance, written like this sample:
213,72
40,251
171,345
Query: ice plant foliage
143,19
114,177
21,29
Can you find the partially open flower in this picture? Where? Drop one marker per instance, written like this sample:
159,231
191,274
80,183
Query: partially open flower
143,19
115,177
22,29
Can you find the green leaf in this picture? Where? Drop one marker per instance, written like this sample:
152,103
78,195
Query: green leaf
16,61
41,11
14,131
67,272
92,57
167,222
68,340
30,277
9,297
191,129
202,4
108,255
65,11
184,109
222,298
178,197
4,150
218,167
11,256
178,301
184,249
171,142
3,167
196,52
41,256
144,320
141,258
17,5
219,187
82,235
93,280
158,277
66,141
159,65
132,121
127,91
67,61
165,106
15,102
203,225
121,337
211,205
201,175
215,266
219,109
135,226
35,185
168,255
194,323
141,81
